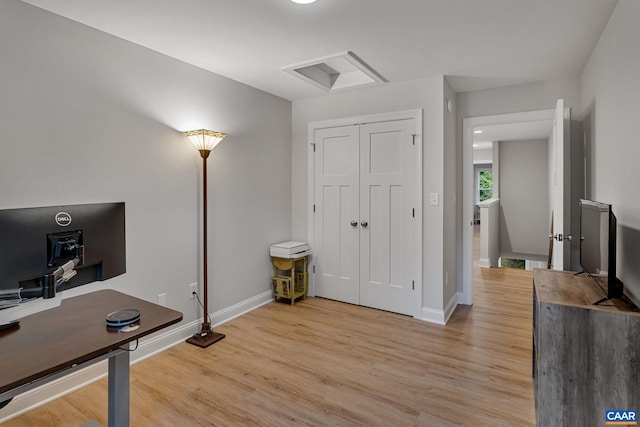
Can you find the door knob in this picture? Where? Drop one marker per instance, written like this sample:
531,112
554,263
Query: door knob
364,224
559,237
354,223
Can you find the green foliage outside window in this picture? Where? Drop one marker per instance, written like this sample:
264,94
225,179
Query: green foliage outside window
485,185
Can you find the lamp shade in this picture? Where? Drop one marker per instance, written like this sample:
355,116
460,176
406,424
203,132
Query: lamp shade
205,139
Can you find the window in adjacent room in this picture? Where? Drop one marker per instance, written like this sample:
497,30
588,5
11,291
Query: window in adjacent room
485,184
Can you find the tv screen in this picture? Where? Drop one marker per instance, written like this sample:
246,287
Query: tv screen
598,244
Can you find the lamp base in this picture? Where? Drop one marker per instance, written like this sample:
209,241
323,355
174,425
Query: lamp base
205,338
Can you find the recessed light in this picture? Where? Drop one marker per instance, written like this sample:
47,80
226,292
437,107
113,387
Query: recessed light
303,1
475,145
477,132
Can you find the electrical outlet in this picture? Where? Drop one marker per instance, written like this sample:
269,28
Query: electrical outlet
193,288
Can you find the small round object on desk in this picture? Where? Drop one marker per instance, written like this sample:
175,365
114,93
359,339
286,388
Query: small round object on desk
121,318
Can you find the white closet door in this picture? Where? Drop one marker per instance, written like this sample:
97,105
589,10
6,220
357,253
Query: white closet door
336,204
388,173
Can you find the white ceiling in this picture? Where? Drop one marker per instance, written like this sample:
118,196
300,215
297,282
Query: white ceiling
478,43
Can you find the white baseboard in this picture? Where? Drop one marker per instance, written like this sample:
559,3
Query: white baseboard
441,317
450,307
226,314
484,263
148,346
432,315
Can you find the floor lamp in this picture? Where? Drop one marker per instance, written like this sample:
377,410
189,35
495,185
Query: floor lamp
205,140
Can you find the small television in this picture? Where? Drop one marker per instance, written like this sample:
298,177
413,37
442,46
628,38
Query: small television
49,249
598,227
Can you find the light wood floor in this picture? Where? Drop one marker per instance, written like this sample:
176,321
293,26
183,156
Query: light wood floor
322,362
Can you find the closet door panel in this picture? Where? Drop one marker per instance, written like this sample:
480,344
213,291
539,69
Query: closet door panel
387,175
336,195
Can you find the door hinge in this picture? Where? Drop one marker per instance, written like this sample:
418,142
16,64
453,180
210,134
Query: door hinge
314,269
413,212
413,136
313,144
314,208
413,285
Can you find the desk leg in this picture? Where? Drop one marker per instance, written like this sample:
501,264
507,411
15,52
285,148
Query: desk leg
119,390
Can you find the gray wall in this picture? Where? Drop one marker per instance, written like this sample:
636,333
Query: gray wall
524,219
610,92
426,94
87,117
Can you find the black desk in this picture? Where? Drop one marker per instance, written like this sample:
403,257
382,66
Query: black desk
53,343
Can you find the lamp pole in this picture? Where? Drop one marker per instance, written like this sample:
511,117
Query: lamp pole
204,141
206,325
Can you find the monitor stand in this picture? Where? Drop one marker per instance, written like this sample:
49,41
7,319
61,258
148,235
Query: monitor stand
608,298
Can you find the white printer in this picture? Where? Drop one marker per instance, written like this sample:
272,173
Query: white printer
290,249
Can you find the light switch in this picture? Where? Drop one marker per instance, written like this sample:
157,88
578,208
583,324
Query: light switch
434,199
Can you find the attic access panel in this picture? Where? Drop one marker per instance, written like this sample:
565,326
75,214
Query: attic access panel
341,71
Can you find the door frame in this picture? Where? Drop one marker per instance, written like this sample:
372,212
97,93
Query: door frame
468,124
360,120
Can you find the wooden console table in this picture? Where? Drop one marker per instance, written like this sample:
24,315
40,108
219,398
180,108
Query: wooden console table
56,342
586,358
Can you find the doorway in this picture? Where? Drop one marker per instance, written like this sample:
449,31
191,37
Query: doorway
365,225
469,125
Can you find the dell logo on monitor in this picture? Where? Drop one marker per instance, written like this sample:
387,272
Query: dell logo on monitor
63,219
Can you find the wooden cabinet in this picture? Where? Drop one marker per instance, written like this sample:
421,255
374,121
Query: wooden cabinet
586,358
290,278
